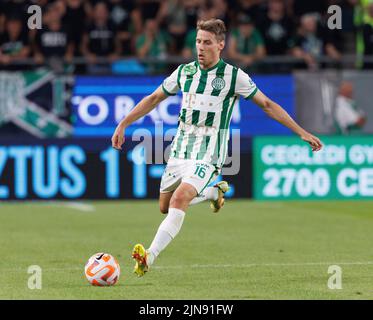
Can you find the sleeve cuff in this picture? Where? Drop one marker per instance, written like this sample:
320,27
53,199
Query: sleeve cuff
252,94
166,92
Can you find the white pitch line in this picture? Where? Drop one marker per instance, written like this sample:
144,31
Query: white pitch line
252,265
76,205
79,206
222,266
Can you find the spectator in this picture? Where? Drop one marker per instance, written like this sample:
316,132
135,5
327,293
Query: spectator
338,40
53,40
191,12
189,50
311,43
14,43
206,12
246,45
145,9
59,6
221,10
348,14
75,12
172,14
9,8
368,38
121,13
152,43
366,6
251,8
345,38
100,38
276,28
348,118
302,7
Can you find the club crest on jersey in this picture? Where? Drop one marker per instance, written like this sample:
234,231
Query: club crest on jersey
190,70
218,83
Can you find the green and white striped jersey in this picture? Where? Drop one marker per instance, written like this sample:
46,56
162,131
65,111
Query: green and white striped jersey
206,109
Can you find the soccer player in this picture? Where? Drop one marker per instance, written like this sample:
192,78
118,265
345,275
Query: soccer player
210,88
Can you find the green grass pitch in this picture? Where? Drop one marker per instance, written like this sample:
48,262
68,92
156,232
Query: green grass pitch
250,250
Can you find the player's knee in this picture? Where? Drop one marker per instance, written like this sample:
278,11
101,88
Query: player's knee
179,199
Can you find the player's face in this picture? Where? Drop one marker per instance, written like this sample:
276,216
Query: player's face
208,48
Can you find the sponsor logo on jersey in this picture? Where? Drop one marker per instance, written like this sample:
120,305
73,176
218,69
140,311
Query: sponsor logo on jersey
190,70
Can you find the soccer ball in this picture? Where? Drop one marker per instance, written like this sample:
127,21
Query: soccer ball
102,269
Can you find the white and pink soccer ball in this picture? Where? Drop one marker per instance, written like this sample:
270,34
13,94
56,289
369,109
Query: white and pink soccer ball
102,269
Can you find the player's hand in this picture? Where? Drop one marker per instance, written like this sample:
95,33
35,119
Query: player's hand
314,142
117,139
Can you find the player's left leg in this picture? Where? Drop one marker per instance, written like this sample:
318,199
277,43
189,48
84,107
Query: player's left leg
215,194
172,176
210,193
200,174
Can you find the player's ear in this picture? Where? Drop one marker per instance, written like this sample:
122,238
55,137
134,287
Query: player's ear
221,44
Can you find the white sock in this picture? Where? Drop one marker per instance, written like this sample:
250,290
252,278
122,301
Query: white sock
210,193
167,231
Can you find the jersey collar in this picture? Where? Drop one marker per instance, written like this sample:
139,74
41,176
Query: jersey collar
212,68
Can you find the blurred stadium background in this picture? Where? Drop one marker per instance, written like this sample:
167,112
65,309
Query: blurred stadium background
64,88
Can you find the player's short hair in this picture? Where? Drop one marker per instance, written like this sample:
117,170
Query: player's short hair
215,26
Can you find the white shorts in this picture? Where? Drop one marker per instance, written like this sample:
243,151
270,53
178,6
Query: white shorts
195,172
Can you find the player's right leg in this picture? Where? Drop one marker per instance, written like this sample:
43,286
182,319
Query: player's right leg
164,201
171,179
167,230
140,255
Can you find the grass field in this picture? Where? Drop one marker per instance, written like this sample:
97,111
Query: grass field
250,250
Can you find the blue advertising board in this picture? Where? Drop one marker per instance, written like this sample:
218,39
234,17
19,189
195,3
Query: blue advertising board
99,103
88,168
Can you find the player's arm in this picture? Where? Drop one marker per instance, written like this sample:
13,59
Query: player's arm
146,105
277,113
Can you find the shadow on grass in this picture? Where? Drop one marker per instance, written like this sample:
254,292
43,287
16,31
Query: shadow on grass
120,285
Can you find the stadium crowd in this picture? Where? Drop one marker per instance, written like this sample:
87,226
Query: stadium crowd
113,29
